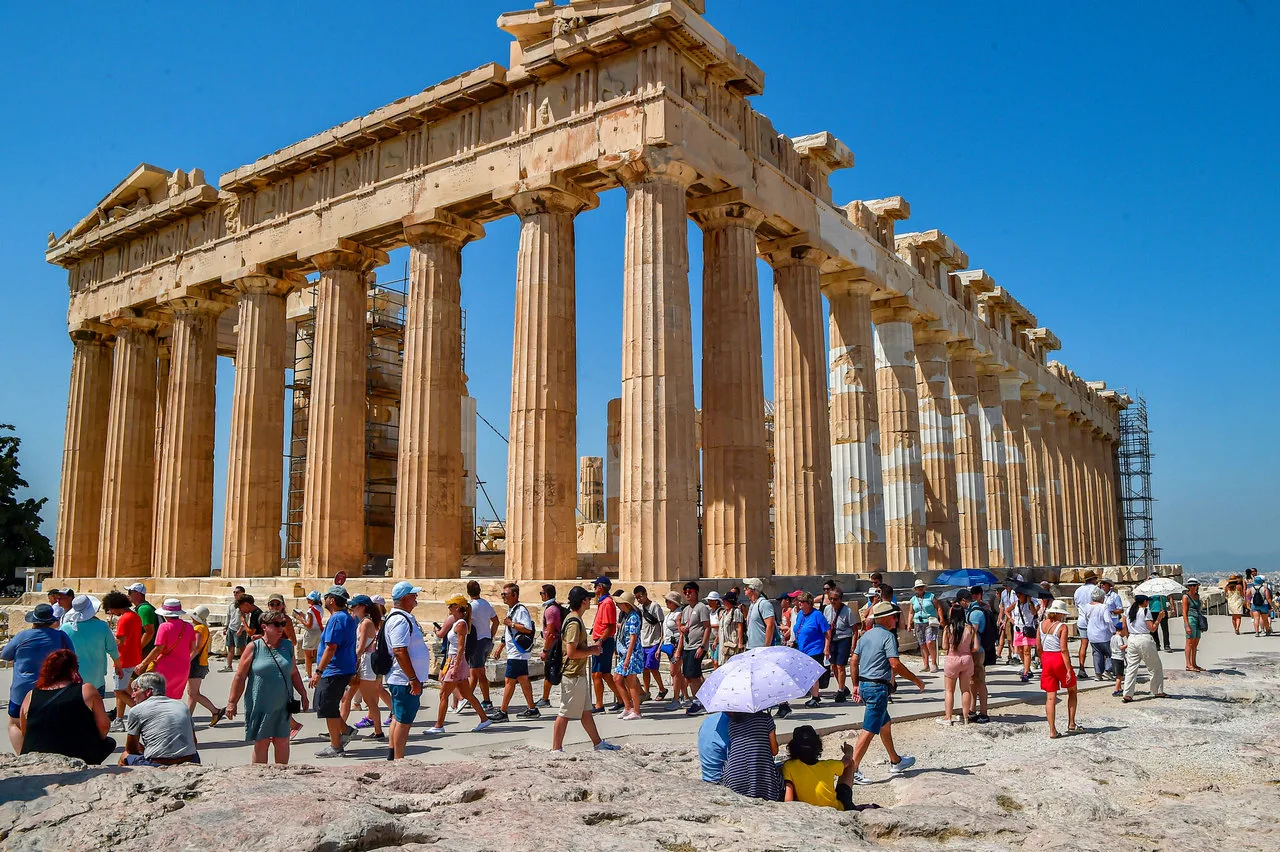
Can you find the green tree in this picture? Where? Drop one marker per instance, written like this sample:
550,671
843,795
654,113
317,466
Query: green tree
21,542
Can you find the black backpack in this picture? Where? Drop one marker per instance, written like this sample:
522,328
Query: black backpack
382,658
1259,599
554,668
990,633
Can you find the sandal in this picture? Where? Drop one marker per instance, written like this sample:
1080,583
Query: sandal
295,728
1161,695
1076,729
1055,736
1128,699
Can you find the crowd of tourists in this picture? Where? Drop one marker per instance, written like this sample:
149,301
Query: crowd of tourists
362,654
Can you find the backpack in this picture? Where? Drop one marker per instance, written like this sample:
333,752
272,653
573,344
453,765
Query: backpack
553,670
381,657
522,641
564,613
990,633
1259,599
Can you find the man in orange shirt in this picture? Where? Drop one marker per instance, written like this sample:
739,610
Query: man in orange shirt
603,630
129,642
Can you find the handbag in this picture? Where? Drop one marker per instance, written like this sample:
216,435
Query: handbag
294,705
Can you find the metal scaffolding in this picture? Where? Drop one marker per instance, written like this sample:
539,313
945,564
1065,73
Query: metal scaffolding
1136,502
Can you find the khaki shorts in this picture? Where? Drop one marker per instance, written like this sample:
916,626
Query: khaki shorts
979,669
573,696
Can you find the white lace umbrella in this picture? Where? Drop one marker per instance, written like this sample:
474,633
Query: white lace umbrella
1159,587
759,679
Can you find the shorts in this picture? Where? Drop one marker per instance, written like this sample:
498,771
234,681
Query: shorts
197,672
124,679
139,760
404,704
651,660
669,650
476,656
15,710
366,667
1020,641
238,641
980,669
1193,629
573,697
1055,674
1117,665
602,663
875,697
328,698
690,664
1265,609
925,633
841,651
517,669
310,639
958,666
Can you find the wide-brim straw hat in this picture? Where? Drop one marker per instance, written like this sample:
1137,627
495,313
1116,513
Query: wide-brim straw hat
171,608
1059,608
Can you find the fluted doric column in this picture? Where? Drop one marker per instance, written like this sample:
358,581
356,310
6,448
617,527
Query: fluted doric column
1099,526
856,482
184,513
1067,447
542,541
333,498
84,453
966,424
1053,479
994,479
658,497
163,362
591,489
1115,534
251,525
735,457
612,469
937,449
1037,487
1015,466
900,463
429,478
804,521
128,488
1080,491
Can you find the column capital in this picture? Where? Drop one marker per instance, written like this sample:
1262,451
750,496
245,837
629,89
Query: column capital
729,208
258,279
440,226
649,164
342,254
546,193
847,282
1047,402
963,350
92,331
801,249
131,319
893,310
196,300
925,332
1030,391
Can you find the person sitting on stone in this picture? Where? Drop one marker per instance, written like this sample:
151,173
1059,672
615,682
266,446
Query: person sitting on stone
822,783
64,714
159,728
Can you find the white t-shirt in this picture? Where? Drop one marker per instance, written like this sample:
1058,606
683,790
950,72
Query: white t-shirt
482,616
1138,625
1083,597
519,615
403,631
671,628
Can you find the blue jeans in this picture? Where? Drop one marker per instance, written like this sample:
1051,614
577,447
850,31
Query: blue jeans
875,698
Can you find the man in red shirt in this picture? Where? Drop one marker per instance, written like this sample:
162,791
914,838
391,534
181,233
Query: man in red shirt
129,641
603,630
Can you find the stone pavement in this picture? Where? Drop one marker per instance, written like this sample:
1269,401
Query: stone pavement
223,746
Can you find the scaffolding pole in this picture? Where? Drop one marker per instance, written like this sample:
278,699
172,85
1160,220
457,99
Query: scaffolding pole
1136,502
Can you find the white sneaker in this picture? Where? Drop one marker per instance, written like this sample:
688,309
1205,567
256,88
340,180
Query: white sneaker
605,745
904,763
436,729
631,717
486,723
942,720
859,778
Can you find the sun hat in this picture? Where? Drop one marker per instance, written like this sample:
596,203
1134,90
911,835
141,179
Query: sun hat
1257,581
275,596
136,587
882,609
360,600
42,614
171,608
602,580
456,600
404,587
1106,580
755,583
313,596
873,592
84,608
200,615
674,597
630,599
919,584
797,593
713,596
1059,608
1194,582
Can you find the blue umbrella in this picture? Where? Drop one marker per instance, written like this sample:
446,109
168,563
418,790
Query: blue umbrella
967,577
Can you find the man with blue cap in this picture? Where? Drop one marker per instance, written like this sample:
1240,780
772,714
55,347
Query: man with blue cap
410,661
337,665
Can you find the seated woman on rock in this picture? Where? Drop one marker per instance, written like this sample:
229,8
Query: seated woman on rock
822,783
749,767
64,715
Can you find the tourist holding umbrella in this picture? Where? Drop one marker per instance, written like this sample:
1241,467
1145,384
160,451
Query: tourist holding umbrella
1141,647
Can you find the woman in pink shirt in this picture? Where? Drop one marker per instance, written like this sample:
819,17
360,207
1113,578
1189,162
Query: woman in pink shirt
175,646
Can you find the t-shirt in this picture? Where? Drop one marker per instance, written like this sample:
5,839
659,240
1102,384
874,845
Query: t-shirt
1083,597
1138,624
482,616
93,642
844,621
729,621
875,649
147,613
756,628
164,727
923,607
713,746
233,618
341,631
519,615
816,784
1157,604
1115,605
551,622
978,619
202,642
27,651
605,624
652,615
810,632
1117,645
671,628
698,619
575,636
1098,624
129,639
403,631
179,638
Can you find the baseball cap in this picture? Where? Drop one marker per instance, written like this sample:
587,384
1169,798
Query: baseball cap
404,587
755,583
360,600
577,595
337,592
602,580
136,587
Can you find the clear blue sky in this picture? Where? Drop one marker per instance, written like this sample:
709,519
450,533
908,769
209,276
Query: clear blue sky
1113,165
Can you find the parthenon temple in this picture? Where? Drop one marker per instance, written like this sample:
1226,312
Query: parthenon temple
931,431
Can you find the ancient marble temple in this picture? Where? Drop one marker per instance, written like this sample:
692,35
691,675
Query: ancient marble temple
934,432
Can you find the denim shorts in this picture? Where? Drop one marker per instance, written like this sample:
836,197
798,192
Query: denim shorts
875,697
517,669
404,704
602,663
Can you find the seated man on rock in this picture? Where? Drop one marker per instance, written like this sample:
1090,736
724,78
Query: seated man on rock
158,728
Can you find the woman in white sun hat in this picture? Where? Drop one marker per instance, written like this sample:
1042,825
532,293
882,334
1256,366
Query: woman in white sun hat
1056,672
175,646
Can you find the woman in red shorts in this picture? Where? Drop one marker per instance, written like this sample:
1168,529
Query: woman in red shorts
1057,672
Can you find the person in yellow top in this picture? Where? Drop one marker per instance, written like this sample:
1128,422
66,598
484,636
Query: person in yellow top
822,783
200,668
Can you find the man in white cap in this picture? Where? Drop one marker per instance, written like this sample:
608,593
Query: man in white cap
150,621
762,625
92,639
60,600
410,662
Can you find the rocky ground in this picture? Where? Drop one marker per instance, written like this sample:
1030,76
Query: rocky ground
1194,772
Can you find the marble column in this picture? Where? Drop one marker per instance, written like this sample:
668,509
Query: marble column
84,453
429,466
857,484
612,470
1115,534
1015,466
255,477
735,459
591,489
995,481
1068,444
937,449
333,499
163,362
900,461
966,423
128,487
1080,492
1099,526
658,494
542,468
1053,479
804,520
1037,488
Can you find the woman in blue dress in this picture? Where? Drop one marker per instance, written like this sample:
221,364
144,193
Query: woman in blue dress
629,664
